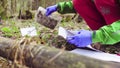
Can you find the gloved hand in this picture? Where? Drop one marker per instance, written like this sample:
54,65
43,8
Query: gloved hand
51,9
82,39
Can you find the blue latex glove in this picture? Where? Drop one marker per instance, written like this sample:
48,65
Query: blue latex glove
51,9
82,39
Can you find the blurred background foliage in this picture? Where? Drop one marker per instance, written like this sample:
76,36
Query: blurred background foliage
13,7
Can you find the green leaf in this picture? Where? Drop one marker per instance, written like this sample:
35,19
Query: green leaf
6,30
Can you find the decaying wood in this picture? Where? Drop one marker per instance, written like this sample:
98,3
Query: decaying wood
50,21
37,56
27,15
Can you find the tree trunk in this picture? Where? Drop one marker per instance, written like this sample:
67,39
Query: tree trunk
35,4
3,8
38,56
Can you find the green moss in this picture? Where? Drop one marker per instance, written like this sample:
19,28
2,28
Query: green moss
77,65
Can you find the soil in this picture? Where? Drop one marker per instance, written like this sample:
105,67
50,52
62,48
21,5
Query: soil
46,21
60,42
114,49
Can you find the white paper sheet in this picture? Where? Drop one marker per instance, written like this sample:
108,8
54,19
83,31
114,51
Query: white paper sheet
97,55
30,31
66,33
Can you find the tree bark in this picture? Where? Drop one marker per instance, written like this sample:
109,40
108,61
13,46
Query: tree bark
38,56
3,8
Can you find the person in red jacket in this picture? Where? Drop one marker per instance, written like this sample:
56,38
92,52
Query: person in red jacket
102,16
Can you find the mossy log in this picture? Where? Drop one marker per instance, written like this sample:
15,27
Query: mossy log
38,56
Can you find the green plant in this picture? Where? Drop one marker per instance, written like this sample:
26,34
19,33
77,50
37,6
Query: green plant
10,31
5,29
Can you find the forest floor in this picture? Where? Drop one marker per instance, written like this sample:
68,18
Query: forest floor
11,29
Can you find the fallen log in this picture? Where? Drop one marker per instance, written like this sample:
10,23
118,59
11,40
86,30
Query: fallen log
37,56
